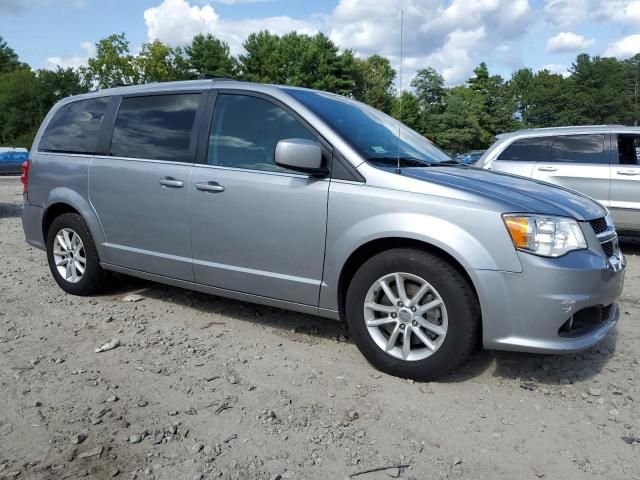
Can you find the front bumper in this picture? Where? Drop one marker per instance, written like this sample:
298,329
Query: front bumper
525,311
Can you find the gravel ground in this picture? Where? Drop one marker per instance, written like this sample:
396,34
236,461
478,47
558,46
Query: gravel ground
203,387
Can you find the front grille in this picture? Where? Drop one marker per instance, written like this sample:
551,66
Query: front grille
599,225
608,249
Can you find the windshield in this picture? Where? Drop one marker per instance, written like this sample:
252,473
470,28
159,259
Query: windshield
373,134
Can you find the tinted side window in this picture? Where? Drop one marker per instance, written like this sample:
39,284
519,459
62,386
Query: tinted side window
528,150
75,127
157,127
629,149
579,149
245,131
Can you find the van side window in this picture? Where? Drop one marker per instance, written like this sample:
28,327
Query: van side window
156,127
74,128
579,149
536,149
629,149
245,131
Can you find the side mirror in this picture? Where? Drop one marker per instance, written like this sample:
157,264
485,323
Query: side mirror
301,155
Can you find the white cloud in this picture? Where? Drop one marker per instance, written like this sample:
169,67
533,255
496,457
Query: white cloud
74,61
622,11
450,37
569,42
240,2
563,13
624,48
433,29
177,21
453,60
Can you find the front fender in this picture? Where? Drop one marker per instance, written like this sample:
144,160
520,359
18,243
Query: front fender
470,249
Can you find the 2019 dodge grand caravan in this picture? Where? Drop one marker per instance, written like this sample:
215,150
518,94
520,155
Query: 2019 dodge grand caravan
313,202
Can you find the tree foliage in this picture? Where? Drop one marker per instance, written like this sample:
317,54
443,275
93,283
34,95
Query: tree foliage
596,90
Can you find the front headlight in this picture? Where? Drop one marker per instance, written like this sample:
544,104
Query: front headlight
544,235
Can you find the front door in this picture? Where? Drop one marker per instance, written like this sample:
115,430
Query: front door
579,162
625,183
140,190
256,227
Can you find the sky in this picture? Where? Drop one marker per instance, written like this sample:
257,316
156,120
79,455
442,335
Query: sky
452,36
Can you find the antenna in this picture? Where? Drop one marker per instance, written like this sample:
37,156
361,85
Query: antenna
400,89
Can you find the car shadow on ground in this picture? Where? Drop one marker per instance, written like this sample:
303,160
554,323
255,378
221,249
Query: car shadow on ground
630,245
543,369
303,327
10,210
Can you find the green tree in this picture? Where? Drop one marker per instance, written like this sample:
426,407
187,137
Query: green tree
373,82
430,89
633,79
262,60
518,88
61,83
601,92
544,97
22,107
498,106
113,64
406,108
158,62
458,128
9,59
209,57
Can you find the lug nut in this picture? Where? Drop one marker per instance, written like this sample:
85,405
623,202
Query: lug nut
414,323
400,304
402,326
413,309
394,315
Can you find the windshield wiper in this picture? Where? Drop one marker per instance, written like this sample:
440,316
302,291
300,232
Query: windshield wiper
448,163
403,161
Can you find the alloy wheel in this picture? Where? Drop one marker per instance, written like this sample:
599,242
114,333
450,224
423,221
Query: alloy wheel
69,255
405,316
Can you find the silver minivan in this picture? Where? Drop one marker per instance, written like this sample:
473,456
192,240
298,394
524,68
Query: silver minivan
601,161
313,202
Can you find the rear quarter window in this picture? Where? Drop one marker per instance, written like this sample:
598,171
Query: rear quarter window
74,128
536,149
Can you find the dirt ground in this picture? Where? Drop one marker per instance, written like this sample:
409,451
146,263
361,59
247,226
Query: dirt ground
202,387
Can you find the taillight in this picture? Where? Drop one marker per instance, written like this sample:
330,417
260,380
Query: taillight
24,178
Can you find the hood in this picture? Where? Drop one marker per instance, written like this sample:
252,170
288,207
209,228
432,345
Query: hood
523,195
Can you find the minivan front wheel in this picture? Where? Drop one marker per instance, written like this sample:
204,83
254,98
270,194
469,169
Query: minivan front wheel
72,256
412,314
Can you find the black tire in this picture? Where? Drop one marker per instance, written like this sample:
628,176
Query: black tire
459,299
94,278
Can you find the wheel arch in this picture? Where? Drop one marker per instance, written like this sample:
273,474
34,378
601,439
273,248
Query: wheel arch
64,200
376,246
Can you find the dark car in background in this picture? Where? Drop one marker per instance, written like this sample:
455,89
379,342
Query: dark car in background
11,159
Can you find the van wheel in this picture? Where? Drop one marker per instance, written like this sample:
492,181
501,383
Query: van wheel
412,314
73,259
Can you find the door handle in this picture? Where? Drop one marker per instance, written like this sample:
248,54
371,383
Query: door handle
213,187
629,173
547,169
171,182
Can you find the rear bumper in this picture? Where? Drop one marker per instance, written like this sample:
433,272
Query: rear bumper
526,311
32,225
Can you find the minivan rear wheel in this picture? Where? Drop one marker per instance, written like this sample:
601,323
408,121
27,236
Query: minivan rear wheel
72,256
412,314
